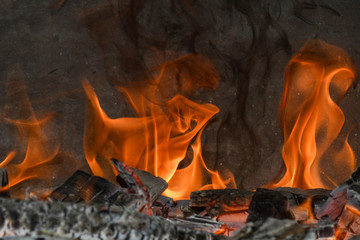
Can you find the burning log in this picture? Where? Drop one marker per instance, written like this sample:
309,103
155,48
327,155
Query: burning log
268,204
325,228
347,193
139,181
220,200
82,187
79,221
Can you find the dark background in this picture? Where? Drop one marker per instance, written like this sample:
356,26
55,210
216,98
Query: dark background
55,44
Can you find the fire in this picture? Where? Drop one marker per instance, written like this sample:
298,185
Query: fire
310,118
35,159
165,132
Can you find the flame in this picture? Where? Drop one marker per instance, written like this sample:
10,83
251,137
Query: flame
304,212
165,133
310,119
40,151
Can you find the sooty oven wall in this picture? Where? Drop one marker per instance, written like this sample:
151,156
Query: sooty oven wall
54,44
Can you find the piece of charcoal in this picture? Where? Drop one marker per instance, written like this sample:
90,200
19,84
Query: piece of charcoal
99,190
161,206
349,221
155,185
334,205
130,179
4,181
83,187
297,196
68,192
4,178
268,203
229,197
218,201
325,228
272,228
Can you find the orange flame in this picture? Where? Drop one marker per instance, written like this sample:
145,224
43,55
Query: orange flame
40,152
159,139
310,119
304,212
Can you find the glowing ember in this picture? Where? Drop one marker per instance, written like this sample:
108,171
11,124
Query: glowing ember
310,119
159,139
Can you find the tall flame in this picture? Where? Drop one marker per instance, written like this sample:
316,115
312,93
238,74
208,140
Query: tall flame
309,117
159,139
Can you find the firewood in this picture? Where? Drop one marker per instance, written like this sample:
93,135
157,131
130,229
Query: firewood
297,196
83,187
268,203
347,193
80,221
155,185
325,228
229,197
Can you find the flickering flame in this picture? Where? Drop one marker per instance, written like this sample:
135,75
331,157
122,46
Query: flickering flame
304,212
310,118
33,164
166,131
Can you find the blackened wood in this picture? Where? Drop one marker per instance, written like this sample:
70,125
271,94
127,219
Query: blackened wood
349,221
347,193
132,180
229,197
68,192
325,228
4,178
297,196
83,187
80,221
218,201
4,181
268,203
334,205
155,185
162,205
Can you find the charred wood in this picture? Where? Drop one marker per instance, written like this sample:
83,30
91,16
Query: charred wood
4,178
347,193
4,181
80,221
82,187
297,196
325,228
268,204
155,185
214,202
